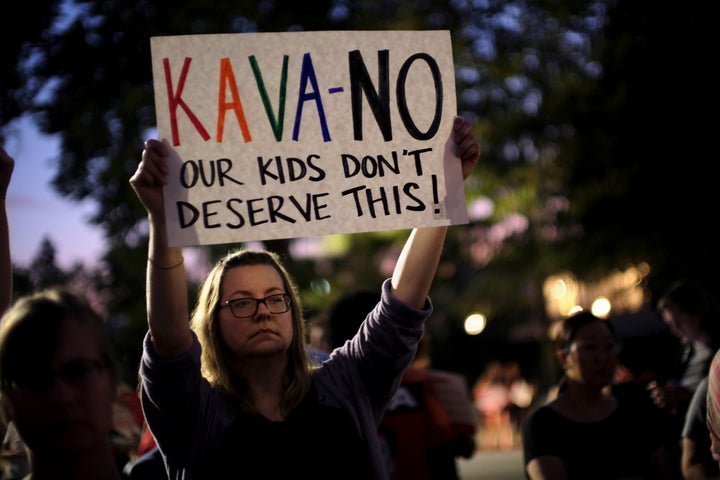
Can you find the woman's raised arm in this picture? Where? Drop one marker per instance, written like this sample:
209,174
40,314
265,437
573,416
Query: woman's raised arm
167,301
416,267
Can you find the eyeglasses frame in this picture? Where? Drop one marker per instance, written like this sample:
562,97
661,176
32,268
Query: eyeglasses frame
286,297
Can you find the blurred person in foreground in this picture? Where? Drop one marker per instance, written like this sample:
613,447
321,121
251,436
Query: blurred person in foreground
58,378
585,433
58,382
233,393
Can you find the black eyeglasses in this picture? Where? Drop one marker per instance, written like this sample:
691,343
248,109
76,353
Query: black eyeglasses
75,373
247,307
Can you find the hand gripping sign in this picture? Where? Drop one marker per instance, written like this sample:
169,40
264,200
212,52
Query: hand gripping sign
283,135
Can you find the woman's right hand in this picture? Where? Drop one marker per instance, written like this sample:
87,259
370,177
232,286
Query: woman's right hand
150,177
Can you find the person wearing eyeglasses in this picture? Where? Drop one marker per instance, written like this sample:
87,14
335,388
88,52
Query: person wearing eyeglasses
58,381
233,393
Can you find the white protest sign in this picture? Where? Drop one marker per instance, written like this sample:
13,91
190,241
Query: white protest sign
283,135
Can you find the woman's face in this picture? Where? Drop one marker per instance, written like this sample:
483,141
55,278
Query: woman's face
65,408
264,332
592,357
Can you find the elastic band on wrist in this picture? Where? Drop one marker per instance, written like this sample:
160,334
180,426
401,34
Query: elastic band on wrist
160,267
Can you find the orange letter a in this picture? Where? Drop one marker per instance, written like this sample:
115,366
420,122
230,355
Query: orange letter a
227,78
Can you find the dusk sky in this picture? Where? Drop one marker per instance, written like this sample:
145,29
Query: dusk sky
36,211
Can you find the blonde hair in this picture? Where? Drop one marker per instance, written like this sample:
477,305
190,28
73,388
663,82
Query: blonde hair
216,357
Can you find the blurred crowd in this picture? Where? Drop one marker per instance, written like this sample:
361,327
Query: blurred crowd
502,398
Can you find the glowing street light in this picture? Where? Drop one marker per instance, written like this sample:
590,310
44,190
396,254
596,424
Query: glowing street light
475,323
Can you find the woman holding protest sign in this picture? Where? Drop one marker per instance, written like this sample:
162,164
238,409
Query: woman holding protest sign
233,390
